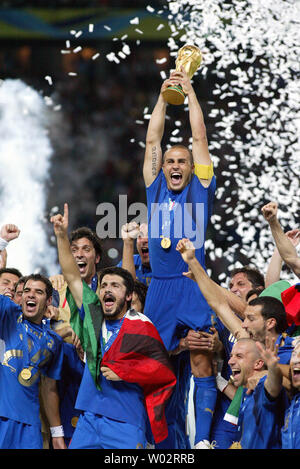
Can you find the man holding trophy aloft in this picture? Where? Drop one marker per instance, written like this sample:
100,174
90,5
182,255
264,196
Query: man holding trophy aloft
180,189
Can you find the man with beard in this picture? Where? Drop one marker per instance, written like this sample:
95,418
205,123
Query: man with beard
127,370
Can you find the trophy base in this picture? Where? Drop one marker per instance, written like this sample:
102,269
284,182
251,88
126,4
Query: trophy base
174,95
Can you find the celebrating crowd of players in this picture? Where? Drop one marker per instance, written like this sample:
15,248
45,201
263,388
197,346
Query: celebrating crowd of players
107,359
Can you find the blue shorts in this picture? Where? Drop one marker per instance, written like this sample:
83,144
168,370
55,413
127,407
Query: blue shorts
18,435
99,432
176,305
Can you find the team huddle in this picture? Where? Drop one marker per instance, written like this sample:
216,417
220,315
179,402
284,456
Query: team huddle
107,358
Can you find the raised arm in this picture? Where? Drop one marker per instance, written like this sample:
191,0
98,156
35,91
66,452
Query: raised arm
200,150
286,249
129,233
275,265
214,296
273,383
155,131
67,262
7,233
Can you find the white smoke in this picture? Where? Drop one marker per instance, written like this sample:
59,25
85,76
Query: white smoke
25,156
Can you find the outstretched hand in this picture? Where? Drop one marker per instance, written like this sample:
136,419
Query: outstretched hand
61,222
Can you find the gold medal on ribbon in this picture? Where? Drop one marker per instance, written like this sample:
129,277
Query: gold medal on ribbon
74,421
235,445
26,374
165,243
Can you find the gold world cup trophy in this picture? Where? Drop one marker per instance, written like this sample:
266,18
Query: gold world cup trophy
189,57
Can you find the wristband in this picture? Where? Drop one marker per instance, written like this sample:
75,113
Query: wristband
3,244
57,431
222,383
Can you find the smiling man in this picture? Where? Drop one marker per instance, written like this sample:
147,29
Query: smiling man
33,353
261,413
87,251
9,278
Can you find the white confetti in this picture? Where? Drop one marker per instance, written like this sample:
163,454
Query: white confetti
135,21
91,28
49,79
253,49
161,61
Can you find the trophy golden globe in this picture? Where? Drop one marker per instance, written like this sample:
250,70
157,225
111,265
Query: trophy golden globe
189,57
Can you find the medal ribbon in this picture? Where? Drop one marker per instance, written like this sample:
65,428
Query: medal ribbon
27,363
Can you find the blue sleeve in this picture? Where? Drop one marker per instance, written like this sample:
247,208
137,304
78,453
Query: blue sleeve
55,366
75,365
8,311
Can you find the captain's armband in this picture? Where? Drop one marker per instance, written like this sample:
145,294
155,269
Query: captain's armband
203,171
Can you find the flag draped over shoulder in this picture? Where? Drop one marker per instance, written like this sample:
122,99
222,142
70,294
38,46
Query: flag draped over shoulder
137,355
291,302
87,325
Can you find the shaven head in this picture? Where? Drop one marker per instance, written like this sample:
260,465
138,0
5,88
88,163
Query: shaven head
182,148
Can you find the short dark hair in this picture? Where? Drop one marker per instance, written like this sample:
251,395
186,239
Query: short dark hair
182,147
20,281
253,275
41,278
254,291
85,232
126,276
272,308
10,270
141,290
